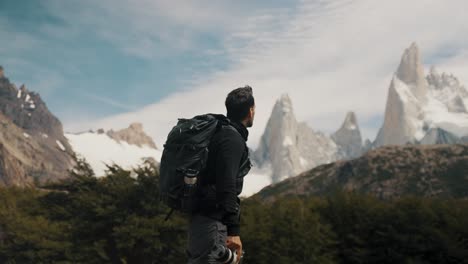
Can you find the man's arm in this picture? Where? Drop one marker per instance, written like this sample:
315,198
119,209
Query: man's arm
228,159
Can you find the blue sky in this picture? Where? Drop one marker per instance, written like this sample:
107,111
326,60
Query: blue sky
111,62
78,70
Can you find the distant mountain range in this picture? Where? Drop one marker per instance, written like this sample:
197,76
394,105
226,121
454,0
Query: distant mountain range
290,147
420,110
423,109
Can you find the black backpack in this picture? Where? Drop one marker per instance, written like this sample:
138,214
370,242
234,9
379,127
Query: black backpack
184,160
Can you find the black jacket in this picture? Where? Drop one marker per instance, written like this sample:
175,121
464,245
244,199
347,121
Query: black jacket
228,163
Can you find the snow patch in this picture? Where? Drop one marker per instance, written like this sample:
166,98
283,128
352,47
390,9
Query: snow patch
406,95
19,94
45,135
60,145
438,115
27,98
287,141
100,149
303,162
26,135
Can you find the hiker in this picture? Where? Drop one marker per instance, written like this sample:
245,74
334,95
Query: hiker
215,224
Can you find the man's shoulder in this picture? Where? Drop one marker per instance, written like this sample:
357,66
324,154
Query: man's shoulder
230,132
227,133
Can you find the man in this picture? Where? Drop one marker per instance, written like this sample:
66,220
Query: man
217,220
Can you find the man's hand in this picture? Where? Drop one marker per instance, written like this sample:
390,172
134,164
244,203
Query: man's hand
234,243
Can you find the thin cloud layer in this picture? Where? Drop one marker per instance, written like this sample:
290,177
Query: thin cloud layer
329,56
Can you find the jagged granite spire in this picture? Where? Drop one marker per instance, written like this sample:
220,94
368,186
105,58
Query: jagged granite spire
290,147
416,104
401,123
348,137
278,143
411,71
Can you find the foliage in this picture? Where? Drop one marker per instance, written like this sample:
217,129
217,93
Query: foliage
119,219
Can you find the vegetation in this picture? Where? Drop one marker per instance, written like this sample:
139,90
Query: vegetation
119,219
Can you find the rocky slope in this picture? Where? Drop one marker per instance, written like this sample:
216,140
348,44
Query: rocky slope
32,143
134,134
387,172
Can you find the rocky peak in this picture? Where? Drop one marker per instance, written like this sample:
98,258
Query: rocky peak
402,112
411,70
439,81
2,75
416,104
134,134
279,142
348,137
290,147
32,144
439,136
447,89
350,122
27,110
283,105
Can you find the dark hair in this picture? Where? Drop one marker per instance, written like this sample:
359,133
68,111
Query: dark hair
238,103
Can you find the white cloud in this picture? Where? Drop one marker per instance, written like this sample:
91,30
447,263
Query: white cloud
330,56
108,101
146,28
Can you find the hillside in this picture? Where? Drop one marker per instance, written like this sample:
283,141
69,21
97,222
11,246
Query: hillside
33,147
387,172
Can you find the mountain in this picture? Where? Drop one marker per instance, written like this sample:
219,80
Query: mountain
289,147
418,104
33,147
348,137
127,147
439,136
133,135
387,172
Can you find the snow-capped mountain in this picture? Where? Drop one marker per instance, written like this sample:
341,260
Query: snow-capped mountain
289,147
418,104
127,147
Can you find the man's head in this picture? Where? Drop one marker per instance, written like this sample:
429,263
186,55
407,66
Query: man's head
240,105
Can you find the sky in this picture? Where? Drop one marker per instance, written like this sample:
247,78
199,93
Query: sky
108,63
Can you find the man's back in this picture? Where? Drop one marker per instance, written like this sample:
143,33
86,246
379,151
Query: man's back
222,183
215,228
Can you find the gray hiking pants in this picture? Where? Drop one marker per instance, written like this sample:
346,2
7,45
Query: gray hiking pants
203,234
